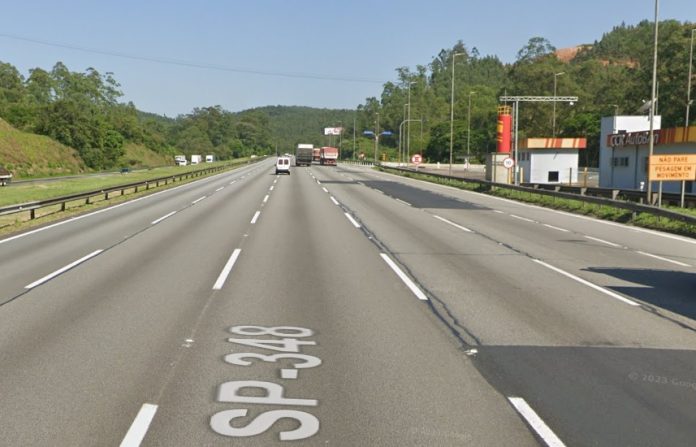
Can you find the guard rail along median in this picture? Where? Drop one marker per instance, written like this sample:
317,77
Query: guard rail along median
588,195
31,207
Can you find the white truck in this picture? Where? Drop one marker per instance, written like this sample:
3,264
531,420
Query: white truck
180,160
195,159
209,158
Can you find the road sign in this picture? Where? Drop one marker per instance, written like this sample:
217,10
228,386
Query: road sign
416,158
672,167
508,163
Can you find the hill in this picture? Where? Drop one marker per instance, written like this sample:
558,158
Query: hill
30,155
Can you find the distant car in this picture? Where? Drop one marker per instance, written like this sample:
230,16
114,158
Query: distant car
181,162
283,165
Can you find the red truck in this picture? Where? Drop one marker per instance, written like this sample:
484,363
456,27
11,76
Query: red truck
328,156
316,154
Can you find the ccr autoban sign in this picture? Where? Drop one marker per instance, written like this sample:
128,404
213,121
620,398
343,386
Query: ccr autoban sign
672,167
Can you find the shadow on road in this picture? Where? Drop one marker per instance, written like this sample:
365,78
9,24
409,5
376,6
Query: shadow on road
420,198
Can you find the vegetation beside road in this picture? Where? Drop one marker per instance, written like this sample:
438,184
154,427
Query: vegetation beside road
644,220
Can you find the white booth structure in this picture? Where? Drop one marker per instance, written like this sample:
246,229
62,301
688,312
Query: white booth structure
550,160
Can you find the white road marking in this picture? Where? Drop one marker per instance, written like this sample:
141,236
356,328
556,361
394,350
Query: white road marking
536,422
199,199
318,182
220,189
587,283
227,269
256,217
325,190
410,284
602,241
156,221
453,224
288,373
334,200
63,269
663,259
233,182
498,211
404,202
350,218
138,430
271,188
265,199
522,218
557,228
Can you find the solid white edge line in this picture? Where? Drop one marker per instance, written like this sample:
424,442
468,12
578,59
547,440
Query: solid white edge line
663,259
350,218
227,269
156,221
404,202
265,199
449,222
325,190
587,283
334,200
522,218
141,423
410,284
63,269
536,422
556,228
220,189
256,217
602,241
198,200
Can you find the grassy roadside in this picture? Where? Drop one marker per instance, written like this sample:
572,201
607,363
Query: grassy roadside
17,222
643,220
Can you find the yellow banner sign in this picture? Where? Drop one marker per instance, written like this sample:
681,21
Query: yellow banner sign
672,167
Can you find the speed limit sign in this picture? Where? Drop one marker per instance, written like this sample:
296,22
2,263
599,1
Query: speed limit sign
508,163
416,158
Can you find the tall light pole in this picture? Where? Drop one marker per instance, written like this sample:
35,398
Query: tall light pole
468,129
454,56
688,88
376,136
555,81
651,135
408,122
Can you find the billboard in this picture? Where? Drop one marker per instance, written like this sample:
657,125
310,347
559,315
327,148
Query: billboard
333,130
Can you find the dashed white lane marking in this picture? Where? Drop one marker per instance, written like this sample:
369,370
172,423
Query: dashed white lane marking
233,182
602,241
227,269
325,190
536,422
404,202
522,218
220,189
498,211
334,200
199,199
350,218
318,182
256,217
265,199
663,259
63,269
449,222
156,221
587,283
271,188
138,430
410,284
556,228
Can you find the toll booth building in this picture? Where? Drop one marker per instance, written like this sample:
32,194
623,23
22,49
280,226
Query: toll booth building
550,160
624,149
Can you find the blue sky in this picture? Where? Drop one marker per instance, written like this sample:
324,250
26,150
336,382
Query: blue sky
361,42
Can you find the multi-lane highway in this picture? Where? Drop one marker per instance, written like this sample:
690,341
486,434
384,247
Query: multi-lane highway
343,306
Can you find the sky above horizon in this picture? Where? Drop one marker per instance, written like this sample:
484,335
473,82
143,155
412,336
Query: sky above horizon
170,57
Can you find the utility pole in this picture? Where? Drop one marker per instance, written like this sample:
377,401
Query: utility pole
651,143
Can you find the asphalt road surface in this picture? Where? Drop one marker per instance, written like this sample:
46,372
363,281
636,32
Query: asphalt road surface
342,306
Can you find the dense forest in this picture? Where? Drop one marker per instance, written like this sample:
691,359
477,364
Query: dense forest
83,109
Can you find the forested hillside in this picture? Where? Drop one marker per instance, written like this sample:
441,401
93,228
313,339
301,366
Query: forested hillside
81,110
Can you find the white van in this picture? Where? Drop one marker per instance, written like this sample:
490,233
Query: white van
283,165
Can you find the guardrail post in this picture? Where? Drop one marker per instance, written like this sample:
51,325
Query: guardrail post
614,194
583,191
147,185
106,195
62,206
32,213
87,202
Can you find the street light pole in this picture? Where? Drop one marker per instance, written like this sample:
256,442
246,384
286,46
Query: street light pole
688,89
376,136
553,126
454,56
468,130
651,142
408,122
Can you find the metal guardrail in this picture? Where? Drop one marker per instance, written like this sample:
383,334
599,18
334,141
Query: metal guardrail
588,195
31,207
